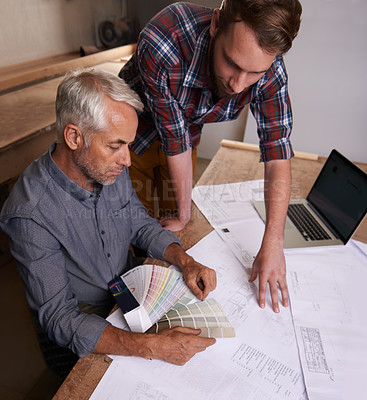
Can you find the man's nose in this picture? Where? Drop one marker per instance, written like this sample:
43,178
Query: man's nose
124,157
239,82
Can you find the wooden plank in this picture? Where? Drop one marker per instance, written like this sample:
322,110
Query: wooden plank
22,77
84,377
234,144
253,147
27,111
12,71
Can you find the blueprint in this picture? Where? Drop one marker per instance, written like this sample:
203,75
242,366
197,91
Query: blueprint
318,343
227,203
326,286
261,362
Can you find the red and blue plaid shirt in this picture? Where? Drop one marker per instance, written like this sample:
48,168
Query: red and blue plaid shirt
168,71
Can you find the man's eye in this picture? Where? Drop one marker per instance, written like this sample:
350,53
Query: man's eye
231,64
114,147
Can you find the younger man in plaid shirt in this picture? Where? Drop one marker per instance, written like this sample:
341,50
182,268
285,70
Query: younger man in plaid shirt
195,65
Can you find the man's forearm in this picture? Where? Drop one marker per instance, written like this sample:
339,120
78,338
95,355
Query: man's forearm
119,342
277,193
175,255
177,345
180,170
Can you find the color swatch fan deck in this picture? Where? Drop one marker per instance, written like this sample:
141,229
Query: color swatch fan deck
147,293
206,315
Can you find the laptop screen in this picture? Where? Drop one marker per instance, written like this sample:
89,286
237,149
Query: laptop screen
340,195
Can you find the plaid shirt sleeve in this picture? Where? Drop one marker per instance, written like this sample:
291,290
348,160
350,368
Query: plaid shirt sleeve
271,108
155,70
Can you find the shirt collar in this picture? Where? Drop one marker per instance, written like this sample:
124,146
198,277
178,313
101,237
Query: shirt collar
196,74
63,180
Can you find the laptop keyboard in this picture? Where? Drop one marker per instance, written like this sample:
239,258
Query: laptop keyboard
306,224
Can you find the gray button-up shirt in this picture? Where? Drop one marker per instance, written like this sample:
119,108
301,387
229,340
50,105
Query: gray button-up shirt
69,243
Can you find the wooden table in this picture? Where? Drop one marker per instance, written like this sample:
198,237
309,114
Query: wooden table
229,165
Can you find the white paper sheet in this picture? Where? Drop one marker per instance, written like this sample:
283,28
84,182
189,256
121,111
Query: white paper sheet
227,203
260,363
326,289
263,361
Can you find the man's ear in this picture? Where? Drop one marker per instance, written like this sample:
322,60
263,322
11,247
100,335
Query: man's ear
73,137
214,25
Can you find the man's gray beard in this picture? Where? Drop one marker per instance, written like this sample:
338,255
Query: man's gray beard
82,162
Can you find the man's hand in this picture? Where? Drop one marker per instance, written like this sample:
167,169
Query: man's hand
269,264
178,345
172,224
199,278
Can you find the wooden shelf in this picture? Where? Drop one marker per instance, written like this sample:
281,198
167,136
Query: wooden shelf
27,73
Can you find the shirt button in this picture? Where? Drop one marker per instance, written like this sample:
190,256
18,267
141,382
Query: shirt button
108,255
103,232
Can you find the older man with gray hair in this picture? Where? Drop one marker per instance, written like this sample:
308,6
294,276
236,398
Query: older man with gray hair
71,217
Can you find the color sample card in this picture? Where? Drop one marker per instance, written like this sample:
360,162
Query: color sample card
165,301
157,289
206,315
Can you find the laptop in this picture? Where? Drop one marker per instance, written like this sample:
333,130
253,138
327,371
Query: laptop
333,209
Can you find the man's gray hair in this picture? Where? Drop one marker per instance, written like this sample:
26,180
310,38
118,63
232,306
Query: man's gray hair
81,99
